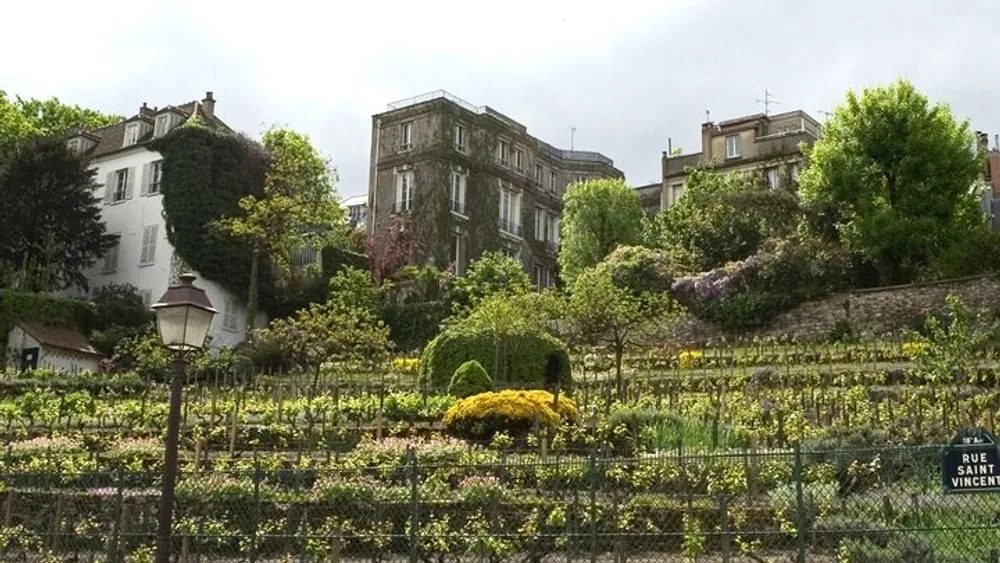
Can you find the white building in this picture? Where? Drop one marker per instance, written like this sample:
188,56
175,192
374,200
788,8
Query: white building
357,210
130,173
31,346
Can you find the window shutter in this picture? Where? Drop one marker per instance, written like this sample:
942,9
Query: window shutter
109,188
152,243
130,183
144,181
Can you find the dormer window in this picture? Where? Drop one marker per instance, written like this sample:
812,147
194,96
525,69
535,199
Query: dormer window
131,134
73,146
163,124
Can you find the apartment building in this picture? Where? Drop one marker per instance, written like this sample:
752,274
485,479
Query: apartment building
357,210
471,180
766,144
129,175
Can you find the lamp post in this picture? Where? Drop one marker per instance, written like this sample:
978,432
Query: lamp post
183,316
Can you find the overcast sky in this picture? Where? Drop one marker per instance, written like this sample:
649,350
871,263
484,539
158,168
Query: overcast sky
627,75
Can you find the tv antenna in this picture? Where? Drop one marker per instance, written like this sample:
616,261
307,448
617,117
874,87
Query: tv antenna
767,101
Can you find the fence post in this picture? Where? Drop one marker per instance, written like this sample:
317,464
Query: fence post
255,525
411,461
800,509
592,485
726,548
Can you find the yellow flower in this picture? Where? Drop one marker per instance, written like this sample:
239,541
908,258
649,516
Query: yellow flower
689,358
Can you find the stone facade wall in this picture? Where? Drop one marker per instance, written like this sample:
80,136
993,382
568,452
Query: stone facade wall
869,313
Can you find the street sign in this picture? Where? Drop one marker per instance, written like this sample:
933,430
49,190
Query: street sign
971,463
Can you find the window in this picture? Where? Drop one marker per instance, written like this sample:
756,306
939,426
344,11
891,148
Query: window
551,230
512,253
539,173
510,210
131,134
503,152
773,180
120,185
455,255
148,254
459,181
552,181
795,173
111,260
147,297
580,178
519,160
538,276
155,175
229,314
406,136
733,146
163,124
678,191
460,137
404,191
539,224
73,146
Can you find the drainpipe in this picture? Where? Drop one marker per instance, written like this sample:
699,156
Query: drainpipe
373,191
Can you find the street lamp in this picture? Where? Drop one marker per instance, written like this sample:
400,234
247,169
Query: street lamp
183,316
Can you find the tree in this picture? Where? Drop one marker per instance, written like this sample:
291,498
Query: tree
51,219
352,287
895,176
392,251
492,274
617,314
298,209
598,216
21,119
722,218
119,313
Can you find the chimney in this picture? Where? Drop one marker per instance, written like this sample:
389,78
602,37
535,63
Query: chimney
984,141
208,104
144,111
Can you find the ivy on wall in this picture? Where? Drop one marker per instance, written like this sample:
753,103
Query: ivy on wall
205,174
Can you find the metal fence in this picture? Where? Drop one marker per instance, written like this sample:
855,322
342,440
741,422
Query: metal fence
790,505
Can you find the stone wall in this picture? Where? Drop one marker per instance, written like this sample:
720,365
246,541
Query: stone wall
869,312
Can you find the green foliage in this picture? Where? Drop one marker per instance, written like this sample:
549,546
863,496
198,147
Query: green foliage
895,175
413,325
598,216
948,352
493,273
205,175
722,218
119,313
470,379
352,287
22,119
521,363
336,258
52,229
40,308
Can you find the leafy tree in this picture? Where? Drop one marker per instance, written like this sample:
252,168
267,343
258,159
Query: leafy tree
617,314
391,251
722,218
895,176
492,274
21,119
51,219
352,287
119,313
297,209
598,216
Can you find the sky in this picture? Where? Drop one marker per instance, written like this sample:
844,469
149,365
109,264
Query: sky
627,75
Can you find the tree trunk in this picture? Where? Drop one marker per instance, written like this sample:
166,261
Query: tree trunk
619,352
252,295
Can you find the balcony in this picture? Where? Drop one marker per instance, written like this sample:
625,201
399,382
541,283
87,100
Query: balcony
402,207
510,228
458,208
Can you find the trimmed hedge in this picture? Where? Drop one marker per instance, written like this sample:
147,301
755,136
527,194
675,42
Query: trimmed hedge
522,361
481,416
470,379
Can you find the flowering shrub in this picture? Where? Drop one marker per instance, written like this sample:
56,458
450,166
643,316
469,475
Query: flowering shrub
391,452
406,365
136,454
481,489
516,412
689,358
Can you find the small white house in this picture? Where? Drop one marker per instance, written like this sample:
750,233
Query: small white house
31,346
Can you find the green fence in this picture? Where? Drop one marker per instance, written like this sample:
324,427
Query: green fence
789,505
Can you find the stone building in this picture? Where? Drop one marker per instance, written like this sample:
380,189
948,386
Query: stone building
468,179
768,144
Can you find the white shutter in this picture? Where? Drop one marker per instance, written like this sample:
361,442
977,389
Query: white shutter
144,181
109,188
129,182
152,243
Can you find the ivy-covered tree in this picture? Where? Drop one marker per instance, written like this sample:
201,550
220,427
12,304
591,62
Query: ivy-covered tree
22,119
722,218
298,208
50,216
895,175
598,216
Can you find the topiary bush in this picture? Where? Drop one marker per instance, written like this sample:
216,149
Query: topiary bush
481,416
470,379
521,363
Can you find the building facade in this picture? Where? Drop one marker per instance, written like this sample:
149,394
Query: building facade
128,174
467,179
357,210
765,144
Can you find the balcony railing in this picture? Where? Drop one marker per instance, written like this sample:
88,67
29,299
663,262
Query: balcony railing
510,228
458,207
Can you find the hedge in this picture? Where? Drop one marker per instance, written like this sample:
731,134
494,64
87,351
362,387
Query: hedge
522,363
470,379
